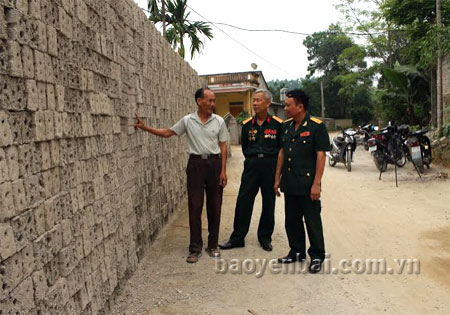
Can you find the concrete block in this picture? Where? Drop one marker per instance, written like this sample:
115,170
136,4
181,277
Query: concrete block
59,128
27,257
55,153
43,149
66,260
73,305
34,191
65,23
67,232
4,171
51,270
32,95
24,228
56,187
6,202
30,161
47,246
43,67
49,214
59,98
41,95
47,182
34,8
41,30
3,48
23,298
40,122
15,60
12,162
81,11
7,242
6,138
49,125
28,62
40,285
39,217
52,43
75,280
79,248
51,97
20,201
11,274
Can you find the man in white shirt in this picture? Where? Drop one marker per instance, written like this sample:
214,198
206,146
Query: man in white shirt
206,170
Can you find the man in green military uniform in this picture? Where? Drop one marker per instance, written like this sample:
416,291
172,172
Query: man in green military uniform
301,164
261,141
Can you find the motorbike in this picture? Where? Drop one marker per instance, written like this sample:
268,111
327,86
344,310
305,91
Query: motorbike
367,131
342,149
419,148
387,147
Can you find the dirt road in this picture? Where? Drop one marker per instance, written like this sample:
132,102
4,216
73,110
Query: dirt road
363,218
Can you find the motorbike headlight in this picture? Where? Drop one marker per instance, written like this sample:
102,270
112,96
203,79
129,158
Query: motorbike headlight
347,140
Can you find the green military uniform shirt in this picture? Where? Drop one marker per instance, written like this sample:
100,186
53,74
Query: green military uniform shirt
300,154
264,139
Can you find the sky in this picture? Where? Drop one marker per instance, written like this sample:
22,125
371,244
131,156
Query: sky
277,55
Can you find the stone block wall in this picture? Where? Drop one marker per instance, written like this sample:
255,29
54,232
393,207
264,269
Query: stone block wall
446,87
82,193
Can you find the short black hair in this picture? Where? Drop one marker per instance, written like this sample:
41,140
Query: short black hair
199,93
300,97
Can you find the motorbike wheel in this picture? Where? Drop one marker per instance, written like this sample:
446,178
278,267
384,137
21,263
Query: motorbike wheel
427,154
401,160
366,146
331,161
348,158
380,163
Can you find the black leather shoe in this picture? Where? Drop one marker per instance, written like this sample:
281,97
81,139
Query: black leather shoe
289,259
315,266
266,246
229,245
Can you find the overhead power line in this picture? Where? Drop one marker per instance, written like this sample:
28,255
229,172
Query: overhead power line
242,45
236,41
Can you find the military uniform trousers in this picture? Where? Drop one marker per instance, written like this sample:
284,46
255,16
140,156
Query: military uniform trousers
298,208
203,175
259,173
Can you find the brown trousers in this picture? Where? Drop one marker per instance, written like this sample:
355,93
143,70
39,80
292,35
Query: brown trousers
203,175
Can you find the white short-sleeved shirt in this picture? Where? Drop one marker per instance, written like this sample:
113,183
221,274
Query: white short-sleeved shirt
202,138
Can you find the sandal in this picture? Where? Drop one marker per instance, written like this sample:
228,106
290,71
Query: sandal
193,257
212,252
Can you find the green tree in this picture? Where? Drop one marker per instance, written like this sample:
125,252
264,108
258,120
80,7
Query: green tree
276,85
408,86
345,77
404,32
179,26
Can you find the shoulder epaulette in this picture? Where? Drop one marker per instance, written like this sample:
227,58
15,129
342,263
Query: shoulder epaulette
316,120
287,120
278,119
247,120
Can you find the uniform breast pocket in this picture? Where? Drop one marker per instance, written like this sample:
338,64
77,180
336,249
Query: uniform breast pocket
305,141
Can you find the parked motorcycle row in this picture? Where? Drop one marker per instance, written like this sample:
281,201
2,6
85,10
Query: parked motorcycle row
391,145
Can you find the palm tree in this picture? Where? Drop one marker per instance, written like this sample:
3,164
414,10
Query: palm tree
179,26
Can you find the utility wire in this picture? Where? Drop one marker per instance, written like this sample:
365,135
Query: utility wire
242,45
300,33
367,33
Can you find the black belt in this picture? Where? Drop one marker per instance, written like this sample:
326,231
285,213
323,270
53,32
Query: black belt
204,156
261,155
